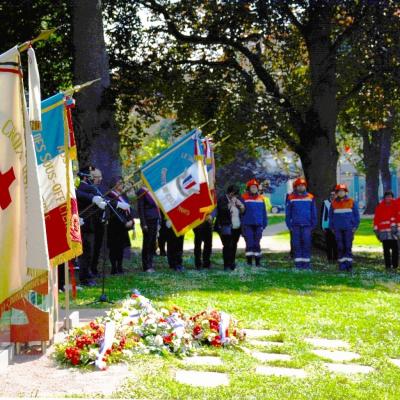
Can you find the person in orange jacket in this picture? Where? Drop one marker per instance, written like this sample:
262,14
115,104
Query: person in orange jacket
301,219
344,219
254,221
386,230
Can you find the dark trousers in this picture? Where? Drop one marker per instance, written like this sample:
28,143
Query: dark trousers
61,276
229,247
302,236
162,239
174,249
116,257
391,253
344,240
331,245
85,260
149,243
97,247
203,234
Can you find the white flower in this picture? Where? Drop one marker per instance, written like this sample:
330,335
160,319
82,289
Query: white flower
158,341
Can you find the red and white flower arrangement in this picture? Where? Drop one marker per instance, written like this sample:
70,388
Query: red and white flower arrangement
136,326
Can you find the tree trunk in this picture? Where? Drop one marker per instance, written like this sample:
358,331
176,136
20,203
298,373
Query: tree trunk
97,135
371,151
318,150
384,167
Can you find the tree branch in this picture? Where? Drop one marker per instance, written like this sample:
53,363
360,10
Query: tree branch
289,13
261,72
342,100
350,30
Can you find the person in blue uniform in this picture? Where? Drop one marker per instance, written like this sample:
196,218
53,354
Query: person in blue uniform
344,219
301,219
254,221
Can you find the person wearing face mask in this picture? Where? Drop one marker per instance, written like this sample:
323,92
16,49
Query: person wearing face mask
254,221
228,224
330,240
344,219
301,219
386,230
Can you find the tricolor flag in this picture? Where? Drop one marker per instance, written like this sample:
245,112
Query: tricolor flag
23,249
54,149
178,181
209,161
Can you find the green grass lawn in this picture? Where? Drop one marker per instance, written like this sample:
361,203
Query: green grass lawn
362,308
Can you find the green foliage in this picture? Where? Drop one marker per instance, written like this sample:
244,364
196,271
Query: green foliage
22,20
249,65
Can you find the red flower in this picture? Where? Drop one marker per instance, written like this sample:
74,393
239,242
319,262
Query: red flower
162,320
197,330
216,342
214,326
134,295
168,339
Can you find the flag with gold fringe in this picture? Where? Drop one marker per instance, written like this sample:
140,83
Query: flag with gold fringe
24,261
55,149
177,178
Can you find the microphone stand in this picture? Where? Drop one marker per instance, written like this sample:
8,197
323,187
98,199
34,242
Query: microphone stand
104,220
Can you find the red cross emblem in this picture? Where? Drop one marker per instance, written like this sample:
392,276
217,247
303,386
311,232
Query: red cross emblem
5,181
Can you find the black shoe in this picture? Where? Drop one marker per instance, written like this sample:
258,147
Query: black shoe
249,260
258,262
233,267
163,254
179,268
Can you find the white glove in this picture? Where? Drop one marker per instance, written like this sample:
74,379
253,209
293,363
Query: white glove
98,200
81,221
168,223
123,206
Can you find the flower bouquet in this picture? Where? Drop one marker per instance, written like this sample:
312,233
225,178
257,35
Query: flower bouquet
216,328
137,326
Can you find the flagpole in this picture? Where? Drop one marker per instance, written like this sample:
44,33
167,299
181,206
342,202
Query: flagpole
206,123
66,291
43,35
78,88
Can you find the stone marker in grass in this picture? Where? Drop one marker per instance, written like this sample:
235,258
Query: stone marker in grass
395,361
257,333
328,343
348,368
203,379
337,355
280,371
270,356
203,360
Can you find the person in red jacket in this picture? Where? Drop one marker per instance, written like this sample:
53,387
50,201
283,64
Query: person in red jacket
385,228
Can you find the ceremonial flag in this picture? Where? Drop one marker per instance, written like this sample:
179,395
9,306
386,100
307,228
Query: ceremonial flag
178,181
54,147
209,161
23,249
